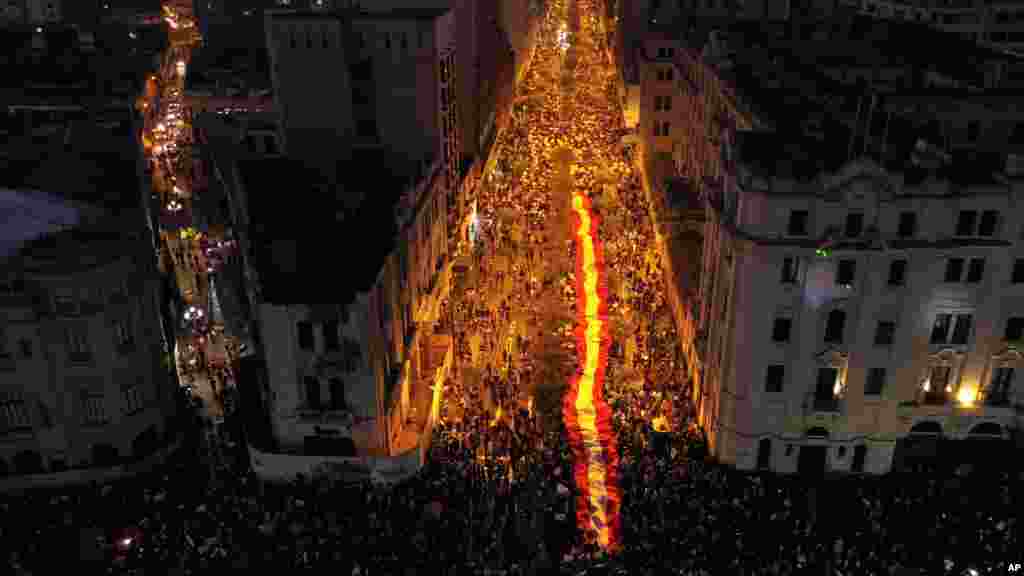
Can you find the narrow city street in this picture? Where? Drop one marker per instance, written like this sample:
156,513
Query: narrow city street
202,352
563,200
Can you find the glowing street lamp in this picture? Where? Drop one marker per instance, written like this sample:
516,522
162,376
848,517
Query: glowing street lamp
967,396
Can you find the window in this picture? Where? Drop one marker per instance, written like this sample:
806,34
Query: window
123,337
797,223
781,328
325,37
854,224
1014,329
292,40
908,225
665,74
666,103
897,273
25,345
938,382
65,306
312,392
975,270
954,269
404,42
77,341
666,52
14,414
965,222
309,37
764,454
875,382
94,412
331,341
989,223
1018,271
387,40
132,399
884,333
353,355
773,378
859,456
337,389
845,272
834,326
305,335
972,130
824,390
962,329
790,270
998,393
940,328
662,128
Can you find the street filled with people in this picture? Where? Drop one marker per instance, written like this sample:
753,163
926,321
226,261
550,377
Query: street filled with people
204,352
680,516
499,494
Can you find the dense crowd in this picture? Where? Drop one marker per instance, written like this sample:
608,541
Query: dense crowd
680,516
497,496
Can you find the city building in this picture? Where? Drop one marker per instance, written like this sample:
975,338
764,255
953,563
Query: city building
398,70
888,224
349,363
229,72
996,22
85,376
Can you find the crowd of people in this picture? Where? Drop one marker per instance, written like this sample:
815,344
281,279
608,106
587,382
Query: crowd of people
497,496
680,516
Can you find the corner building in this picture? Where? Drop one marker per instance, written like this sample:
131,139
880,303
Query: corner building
871,309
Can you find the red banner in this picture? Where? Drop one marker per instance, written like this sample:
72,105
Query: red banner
587,416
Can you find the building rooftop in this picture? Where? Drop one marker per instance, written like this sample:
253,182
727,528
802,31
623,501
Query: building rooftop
318,243
88,156
235,56
88,245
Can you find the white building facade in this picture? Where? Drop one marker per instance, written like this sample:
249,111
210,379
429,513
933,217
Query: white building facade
846,313
84,375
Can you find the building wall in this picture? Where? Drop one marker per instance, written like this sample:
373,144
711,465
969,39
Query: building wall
749,292
403,56
43,11
295,414
312,88
66,406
